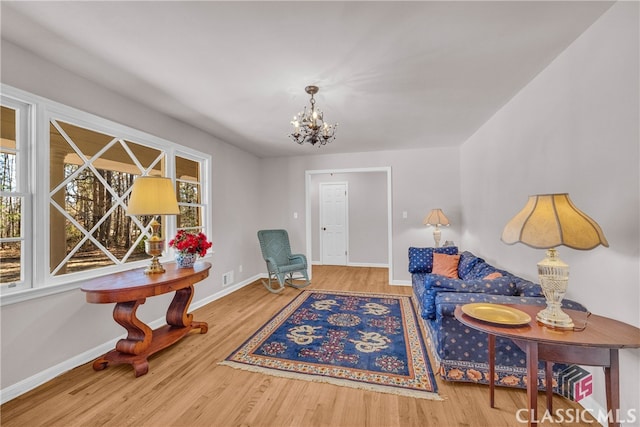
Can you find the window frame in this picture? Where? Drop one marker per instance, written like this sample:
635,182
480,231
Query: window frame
25,122
204,195
42,282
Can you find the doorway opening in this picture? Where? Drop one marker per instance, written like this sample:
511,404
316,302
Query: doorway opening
312,218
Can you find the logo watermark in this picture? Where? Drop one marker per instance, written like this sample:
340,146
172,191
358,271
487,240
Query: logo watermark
578,415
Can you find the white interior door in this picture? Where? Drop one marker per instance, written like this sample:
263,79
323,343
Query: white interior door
334,233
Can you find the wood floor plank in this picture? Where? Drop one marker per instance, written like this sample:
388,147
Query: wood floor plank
186,386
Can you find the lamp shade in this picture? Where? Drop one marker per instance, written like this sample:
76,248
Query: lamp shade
436,217
550,220
152,195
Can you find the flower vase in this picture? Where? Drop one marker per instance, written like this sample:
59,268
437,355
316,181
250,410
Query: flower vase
186,260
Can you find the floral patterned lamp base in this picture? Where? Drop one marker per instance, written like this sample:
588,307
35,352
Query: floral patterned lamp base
186,260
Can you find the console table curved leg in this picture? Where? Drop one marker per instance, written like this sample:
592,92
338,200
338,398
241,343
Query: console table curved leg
139,334
177,311
140,367
203,326
100,363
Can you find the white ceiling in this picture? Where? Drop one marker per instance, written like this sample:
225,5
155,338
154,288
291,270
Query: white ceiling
394,75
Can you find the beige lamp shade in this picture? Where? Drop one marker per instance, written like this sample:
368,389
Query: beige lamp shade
436,217
550,220
153,195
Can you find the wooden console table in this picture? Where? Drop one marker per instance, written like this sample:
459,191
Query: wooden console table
129,290
596,345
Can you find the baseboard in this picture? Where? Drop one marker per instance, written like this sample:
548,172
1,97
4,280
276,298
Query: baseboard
367,264
401,283
358,264
21,387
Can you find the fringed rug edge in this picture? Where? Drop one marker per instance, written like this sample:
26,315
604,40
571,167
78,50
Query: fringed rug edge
335,381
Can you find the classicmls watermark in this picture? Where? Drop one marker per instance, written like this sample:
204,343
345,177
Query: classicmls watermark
578,415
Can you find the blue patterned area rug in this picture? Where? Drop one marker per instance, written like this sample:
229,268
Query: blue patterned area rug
360,340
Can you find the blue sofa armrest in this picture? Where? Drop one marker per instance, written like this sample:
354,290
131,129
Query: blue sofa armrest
500,286
435,284
529,289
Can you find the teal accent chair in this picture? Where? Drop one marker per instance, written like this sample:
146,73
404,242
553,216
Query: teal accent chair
281,263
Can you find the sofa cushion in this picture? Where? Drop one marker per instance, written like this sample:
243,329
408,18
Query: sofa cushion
498,286
421,259
466,264
446,265
434,285
480,270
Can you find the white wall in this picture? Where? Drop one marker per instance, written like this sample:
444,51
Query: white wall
42,333
573,129
421,180
367,200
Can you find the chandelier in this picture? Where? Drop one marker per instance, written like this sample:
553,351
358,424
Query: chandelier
309,126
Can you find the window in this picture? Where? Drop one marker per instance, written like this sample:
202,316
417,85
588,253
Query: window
90,177
15,231
189,194
80,201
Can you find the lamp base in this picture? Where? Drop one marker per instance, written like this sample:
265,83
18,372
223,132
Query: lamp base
554,319
436,236
554,279
154,247
155,267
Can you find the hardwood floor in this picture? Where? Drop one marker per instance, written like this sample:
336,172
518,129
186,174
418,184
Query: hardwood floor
185,385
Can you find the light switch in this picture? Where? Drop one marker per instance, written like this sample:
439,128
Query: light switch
404,214
295,215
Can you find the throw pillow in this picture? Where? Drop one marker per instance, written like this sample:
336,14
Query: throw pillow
446,265
493,275
421,259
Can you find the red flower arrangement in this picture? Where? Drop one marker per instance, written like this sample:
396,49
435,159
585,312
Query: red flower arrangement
192,243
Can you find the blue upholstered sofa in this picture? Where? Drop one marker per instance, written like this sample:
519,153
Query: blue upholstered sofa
461,353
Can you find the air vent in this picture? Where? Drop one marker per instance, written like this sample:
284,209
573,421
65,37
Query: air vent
227,278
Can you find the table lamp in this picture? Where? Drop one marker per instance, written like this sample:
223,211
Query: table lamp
436,218
153,195
547,221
